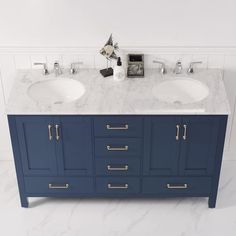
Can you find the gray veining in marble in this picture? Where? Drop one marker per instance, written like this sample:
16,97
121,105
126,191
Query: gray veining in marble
106,96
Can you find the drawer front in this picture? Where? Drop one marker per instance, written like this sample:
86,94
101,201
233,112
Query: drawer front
118,147
118,166
177,185
118,126
58,185
117,185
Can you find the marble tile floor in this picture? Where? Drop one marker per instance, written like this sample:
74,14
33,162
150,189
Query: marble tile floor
73,217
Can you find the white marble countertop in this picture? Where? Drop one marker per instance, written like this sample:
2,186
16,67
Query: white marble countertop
130,97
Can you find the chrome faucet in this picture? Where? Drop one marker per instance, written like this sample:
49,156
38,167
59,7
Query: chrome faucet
190,69
163,67
73,69
57,69
45,68
178,67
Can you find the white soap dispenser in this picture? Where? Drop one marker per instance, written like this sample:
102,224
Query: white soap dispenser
119,72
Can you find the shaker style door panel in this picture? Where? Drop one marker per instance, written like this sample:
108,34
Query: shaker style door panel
74,145
37,145
199,144
161,151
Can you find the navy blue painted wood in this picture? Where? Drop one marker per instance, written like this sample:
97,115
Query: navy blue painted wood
17,160
104,147
37,150
218,161
117,185
177,185
161,149
61,185
198,151
157,159
74,147
117,126
118,166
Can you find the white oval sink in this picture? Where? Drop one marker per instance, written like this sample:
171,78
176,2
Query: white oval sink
181,91
56,91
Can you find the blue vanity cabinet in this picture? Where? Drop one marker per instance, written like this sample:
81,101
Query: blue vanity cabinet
199,137
162,142
180,145
118,156
183,155
74,145
36,145
55,145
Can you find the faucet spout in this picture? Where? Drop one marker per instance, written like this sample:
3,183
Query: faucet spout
57,69
178,67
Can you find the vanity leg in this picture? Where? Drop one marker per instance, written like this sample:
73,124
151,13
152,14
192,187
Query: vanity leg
212,202
24,201
218,162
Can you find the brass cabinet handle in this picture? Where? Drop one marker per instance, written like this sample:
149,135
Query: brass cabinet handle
177,132
58,186
50,132
123,127
125,148
185,132
57,132
125,168
172,186
120,186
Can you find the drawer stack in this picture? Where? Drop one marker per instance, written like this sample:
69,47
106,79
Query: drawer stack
118,152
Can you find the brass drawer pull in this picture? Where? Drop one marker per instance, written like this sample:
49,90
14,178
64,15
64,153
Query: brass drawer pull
115,186
50,132
57,186
182,186
185,132
125,168
123,127
125,148
177,132
57,132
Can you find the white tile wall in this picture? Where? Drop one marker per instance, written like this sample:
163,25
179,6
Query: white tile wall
7,68
68,59
216,61
2,98
22,62
212,58
88,60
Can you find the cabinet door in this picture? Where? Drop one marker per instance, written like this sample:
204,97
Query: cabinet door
198,145
74,147
161,146
37,148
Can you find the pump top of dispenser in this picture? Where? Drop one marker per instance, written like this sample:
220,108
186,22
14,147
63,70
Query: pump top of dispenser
119,63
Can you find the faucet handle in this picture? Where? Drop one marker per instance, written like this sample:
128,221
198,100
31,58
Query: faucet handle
73,69
45,67
190,69
163,66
